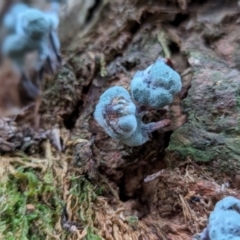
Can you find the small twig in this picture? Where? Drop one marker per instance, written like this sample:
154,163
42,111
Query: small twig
162,40
150,178
186,72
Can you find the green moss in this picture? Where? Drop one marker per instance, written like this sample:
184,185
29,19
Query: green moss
91,235
196,154
18,191
133,221
85,194
30,203
216,76
238,99
233,144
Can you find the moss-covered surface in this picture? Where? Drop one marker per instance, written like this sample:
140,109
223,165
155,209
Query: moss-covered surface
33,192
212,105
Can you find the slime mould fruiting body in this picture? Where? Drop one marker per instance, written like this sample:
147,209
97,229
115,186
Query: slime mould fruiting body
156,85
117,115
224,221
30,30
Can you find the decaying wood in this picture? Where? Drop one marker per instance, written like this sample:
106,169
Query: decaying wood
163,189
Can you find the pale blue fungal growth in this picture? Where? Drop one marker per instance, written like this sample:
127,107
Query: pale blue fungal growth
31,30
156,85
224,221
14,19
11,17
143,131
34,24
117,115
35,31
36,27
54,42
16,46
30,34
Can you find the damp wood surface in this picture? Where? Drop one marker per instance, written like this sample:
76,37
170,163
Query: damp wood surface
164,189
